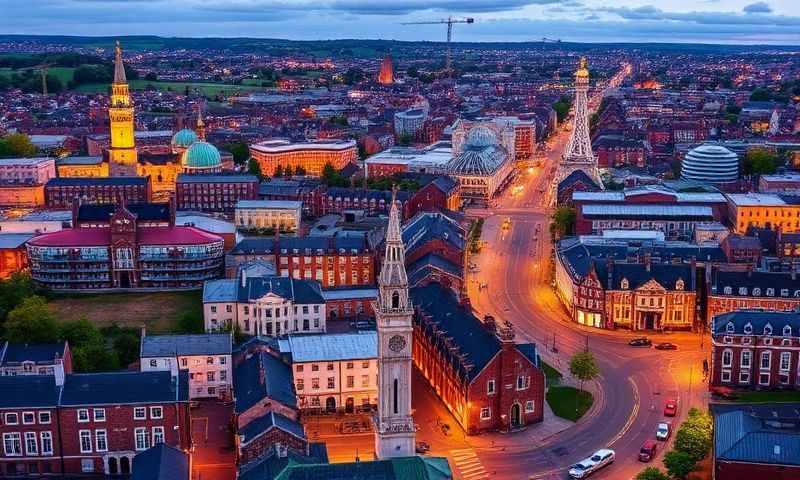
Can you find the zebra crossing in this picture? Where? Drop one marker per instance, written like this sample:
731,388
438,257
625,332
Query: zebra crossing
468,464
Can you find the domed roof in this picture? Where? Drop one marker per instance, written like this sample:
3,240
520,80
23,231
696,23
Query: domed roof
711,164
201,155
184,138
480,137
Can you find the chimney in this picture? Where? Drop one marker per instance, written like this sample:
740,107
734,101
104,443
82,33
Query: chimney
172,209
489,323
244,277
76,205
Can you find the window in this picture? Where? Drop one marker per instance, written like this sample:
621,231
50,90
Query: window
786,361
153,363
726,375
210,376
12,419
486,413
315,383
139,413
210,361
12,444
85,437
768,329
766,358
729,328
529,406
47,443
744,377
349,365
746,358
300,383
158,435
365,364
351,381
748,329
99,414
87,465
523,382
100,441
331,382
223,375
490,387
28,418
31,447
184,362
787,331
763,379
298,368
727,358
314,367
156,412
330,367
365,381
746,340
83,415
140,436
222,360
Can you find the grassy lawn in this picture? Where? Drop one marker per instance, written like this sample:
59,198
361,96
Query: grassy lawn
563,400
64,74
207,89
159,312
551,375
766,397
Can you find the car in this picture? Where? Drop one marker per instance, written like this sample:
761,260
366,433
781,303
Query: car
507,223
664,430
648,451
671,408
423,447
640,342
666,346
588,466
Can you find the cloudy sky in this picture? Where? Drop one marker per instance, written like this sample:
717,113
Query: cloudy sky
705,21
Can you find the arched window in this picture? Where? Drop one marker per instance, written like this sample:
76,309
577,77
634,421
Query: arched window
728,290
768,329
624,284
756,292
787,331
748,329
727,358
729,327
679,284
394,397
395,300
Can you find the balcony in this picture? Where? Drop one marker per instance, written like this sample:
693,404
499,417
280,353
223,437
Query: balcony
179,258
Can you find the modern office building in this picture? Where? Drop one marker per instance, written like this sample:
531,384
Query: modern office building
311,156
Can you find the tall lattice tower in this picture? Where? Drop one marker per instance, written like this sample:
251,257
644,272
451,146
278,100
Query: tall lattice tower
578,154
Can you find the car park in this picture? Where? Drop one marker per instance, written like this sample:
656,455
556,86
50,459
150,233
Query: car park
588,466
663,431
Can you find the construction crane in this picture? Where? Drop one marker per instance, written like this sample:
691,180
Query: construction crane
449,22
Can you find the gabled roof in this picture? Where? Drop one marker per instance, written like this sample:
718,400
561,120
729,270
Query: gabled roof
757,319
427,226
777,281
331,347
28,391
84,181
638,274
403,468
40,353
429,264
186,345
765,434
270,465
161,462
261,425
299,291
445,184
261,376
125,387
266,246
578,176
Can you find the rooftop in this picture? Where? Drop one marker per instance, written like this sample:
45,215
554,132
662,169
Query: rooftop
127,387
270,204
331,347
186,345
281,146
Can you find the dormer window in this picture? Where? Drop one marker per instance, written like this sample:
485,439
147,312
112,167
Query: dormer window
768,329
742,290
756,292
770,292
797,293
728,290
787,331
729,327
748,329
784,292
624,285
679,284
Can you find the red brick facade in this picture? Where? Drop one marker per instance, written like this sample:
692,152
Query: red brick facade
754,361
59,195
213,193
262,444
431,199
750,471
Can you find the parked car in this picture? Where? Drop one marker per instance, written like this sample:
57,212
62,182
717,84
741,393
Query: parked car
671,408
423,447
648,451
640,342
588,466
666,346
664,430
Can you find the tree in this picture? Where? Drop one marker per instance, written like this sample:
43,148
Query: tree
298,170
564,221
759,161
254,168
278,171
583,366
94,357
80,332
694,435
13,291
651,473
17,145
190,322
31,322
679,464
240,152
127,347
151,77
412,72
760,95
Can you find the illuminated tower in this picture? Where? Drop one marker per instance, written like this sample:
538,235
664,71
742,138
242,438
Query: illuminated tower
201,126
578,154
386,75
394,429
122,150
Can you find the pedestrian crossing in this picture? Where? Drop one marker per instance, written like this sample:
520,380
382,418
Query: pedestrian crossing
468,464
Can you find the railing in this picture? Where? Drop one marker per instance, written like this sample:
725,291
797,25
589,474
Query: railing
179,258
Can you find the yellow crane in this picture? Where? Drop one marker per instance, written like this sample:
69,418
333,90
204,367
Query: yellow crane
449,21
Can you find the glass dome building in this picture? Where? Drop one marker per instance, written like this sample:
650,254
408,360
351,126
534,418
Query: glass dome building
710,163
482,166
184,138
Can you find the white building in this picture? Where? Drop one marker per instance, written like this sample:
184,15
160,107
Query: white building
409,122
207,357
268,306
482,162
430,159
27,170
334,371
283,215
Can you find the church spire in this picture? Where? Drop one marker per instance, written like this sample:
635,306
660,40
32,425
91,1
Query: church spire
119,68
393,273
201,126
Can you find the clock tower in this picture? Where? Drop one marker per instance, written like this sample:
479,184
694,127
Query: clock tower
122,155
394,429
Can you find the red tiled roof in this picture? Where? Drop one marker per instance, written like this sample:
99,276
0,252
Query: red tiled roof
73,237
175,236
88,237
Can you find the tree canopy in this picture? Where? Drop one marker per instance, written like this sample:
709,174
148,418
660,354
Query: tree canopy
17,145
584,367
31,322
759,161
651,473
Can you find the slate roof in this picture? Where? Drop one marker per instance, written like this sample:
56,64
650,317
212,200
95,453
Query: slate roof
258,426
427,226
445,184
344,293
40,353
143,212
299,291
757,319
265,246
84,181
530,352
782,283
428,264
14,240
261,376
765,434
329,347
684,212
125,387
577,176
161,462
28,391
270,465
637,274
185,345
377,195
403,468
215,178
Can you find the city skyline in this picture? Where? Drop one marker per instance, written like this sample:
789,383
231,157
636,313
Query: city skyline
631,21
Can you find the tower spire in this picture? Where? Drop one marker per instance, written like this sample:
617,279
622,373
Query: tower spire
201,125
393,273
119,68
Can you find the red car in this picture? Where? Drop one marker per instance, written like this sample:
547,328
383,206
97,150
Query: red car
671,408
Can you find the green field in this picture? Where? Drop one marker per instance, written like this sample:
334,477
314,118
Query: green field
569,402
207,89
551,375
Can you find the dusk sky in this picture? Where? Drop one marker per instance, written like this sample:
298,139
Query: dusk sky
706,21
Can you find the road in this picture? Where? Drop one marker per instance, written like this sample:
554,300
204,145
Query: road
516,264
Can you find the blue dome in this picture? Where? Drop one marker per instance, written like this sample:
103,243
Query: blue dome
201,155
184,138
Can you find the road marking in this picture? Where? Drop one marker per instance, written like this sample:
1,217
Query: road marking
632,416
468,464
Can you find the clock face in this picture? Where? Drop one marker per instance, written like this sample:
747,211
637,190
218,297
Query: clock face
397,343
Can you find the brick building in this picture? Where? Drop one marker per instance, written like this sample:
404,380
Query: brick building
755,349
310,191
485,380
36,359
372,202
442,193
22,195
347,303
91,423
311,156
61,192
614,151
763,210
214,192
434,250
13,254
731,290
36,171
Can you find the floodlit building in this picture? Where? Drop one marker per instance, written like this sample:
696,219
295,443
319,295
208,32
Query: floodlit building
280,215
312,156
483,164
